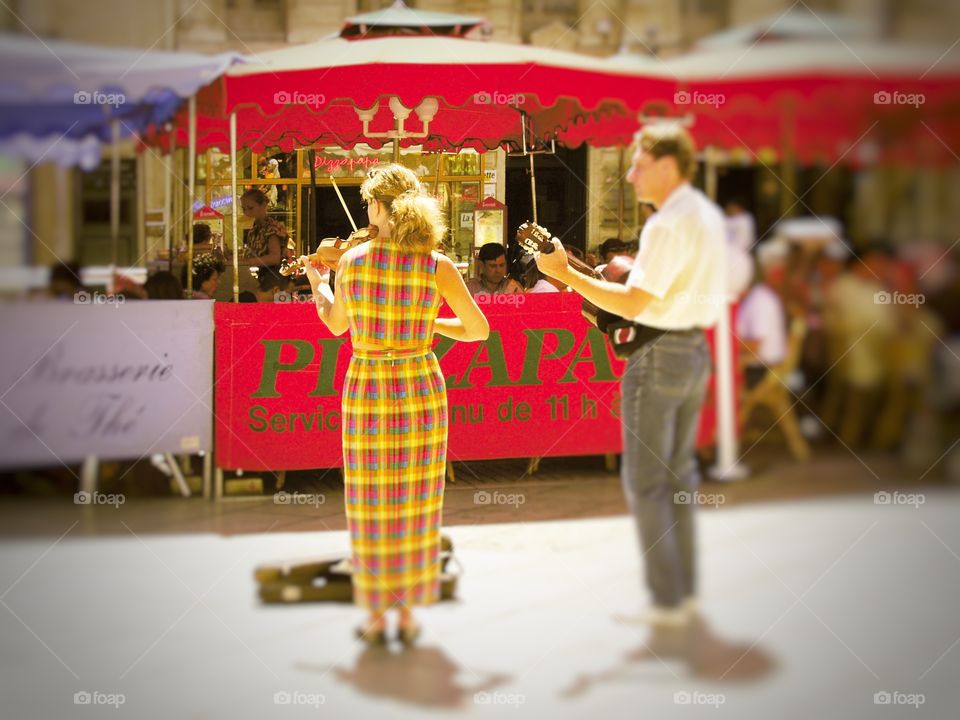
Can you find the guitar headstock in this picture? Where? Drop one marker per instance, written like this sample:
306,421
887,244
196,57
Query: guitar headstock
534,238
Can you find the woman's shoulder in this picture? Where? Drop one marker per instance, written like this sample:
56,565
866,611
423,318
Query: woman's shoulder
275,227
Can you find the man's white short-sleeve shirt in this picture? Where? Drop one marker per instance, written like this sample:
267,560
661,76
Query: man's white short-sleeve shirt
682,262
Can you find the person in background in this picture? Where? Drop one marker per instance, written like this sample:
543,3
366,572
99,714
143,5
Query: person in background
207,269
267,240
492,275
65,281
741,237
761,322
859,322
610,248
273,287
163,286
543,285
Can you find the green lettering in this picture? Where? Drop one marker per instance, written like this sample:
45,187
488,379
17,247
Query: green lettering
258,422
273,366
495,361
534,352
598,358
329,355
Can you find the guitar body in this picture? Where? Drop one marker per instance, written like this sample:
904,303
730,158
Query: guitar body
329,578
534,238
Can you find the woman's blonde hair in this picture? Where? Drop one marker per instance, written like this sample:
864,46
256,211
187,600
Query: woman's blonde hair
416,223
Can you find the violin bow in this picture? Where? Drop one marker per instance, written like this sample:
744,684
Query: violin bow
349,217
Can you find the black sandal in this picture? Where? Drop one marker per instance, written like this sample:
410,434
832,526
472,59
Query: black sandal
408,634
373,638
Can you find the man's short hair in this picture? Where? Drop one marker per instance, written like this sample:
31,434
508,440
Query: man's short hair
612,245
269,279
491,251
669,139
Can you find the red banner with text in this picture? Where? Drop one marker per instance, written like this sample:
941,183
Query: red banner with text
545,383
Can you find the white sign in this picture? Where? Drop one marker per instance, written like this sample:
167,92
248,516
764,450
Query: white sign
466,219
118,380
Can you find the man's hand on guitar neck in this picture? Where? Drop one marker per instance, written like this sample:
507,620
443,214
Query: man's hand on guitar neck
554,264
623,300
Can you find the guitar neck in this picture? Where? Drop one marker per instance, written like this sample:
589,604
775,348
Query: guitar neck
580,266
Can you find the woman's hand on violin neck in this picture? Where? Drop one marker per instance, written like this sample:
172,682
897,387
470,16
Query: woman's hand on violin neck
313,269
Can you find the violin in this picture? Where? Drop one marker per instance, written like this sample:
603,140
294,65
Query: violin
329,251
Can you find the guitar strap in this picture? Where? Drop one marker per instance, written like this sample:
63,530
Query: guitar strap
626,336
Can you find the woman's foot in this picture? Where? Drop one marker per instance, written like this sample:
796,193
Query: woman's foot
408,630
373,632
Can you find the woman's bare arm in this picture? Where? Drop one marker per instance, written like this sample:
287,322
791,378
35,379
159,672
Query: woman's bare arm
470,323
330,307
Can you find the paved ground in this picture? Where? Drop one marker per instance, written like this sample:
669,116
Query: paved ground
815,597
809,608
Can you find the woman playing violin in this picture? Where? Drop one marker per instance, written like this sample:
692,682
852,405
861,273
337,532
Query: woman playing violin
394,421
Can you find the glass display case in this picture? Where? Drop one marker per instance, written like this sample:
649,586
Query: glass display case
456,179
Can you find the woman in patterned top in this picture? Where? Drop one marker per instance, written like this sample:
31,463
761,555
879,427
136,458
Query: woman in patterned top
394,420
267,240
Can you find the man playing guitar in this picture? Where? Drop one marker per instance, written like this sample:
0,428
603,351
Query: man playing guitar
675,289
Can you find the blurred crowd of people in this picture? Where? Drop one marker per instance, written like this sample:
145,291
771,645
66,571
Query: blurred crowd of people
877,330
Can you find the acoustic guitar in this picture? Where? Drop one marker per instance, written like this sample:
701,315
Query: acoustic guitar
535,238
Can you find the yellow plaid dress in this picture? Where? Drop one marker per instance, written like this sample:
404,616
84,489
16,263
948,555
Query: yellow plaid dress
394,425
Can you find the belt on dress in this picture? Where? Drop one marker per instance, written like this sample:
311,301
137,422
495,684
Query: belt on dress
390,353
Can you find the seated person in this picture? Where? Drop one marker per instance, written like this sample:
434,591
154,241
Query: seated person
163,285
492,275
761,323
611,248
273,287
543,284
65,281
207,269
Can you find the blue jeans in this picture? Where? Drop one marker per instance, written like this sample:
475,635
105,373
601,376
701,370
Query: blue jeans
662,391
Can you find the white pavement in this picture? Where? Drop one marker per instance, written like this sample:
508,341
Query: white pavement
808,610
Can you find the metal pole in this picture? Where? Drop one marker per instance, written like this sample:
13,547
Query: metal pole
620,203
533,190
727,445
191,184
233,205
167,195
114,201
